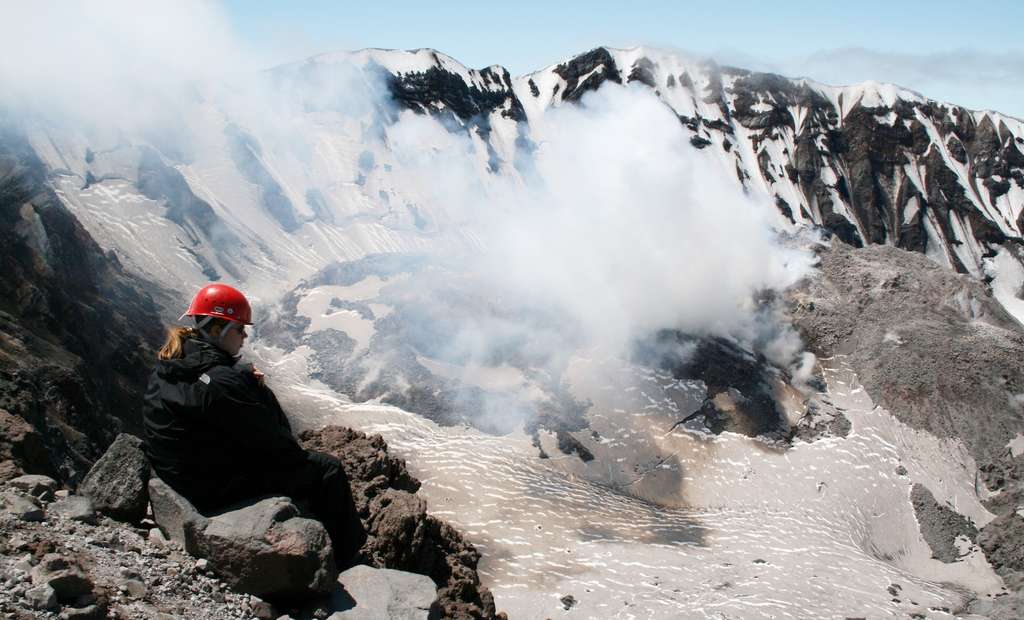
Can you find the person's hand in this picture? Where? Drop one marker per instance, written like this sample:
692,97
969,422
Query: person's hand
256,372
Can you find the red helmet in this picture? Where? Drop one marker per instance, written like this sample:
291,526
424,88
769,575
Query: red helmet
221,301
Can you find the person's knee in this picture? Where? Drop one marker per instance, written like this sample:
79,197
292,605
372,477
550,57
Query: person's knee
327,465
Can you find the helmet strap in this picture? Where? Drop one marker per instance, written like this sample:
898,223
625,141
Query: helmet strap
219,341
201,328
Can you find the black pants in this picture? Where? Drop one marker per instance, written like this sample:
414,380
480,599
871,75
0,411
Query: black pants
324,488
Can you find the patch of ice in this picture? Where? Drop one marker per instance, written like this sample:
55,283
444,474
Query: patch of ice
1007,280
1016,445
893,337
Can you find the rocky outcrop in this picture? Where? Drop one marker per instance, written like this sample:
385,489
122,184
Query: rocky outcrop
116,484
1001,541
265,549
942,527
76,333
911,330
86,571
371,470
436,89
1001,538
401,534
21,448
587,72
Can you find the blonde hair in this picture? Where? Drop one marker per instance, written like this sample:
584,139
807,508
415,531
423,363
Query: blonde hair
174,346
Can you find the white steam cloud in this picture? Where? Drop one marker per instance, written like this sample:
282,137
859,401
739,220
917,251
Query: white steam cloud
618,227
116,61
624,227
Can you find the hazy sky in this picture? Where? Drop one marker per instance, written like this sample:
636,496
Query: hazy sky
972,55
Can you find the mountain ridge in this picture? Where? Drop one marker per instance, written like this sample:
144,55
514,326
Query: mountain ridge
870,163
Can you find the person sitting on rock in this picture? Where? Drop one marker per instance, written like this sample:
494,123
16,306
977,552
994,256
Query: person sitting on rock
216,433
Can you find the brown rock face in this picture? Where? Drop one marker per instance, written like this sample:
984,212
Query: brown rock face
369,467
76,332
401,534
21,448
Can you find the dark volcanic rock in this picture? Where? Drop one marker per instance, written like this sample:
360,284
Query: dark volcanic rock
1001,538
405,537
822,420
940,526
700,142
117,483
643,72
422,91
569,445
587,72
862,155
739,397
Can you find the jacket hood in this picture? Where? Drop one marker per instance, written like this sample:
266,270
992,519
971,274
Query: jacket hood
199,357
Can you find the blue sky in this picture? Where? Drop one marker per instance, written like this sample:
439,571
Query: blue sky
945,49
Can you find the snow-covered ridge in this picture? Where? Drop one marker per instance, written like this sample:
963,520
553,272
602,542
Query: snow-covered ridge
300,188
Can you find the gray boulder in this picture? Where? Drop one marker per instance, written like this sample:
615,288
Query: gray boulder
74,508
263,548
23,507
175,515
385,594
35,485
116,484
266,549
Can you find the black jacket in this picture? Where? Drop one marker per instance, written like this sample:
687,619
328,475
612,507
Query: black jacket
213,431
